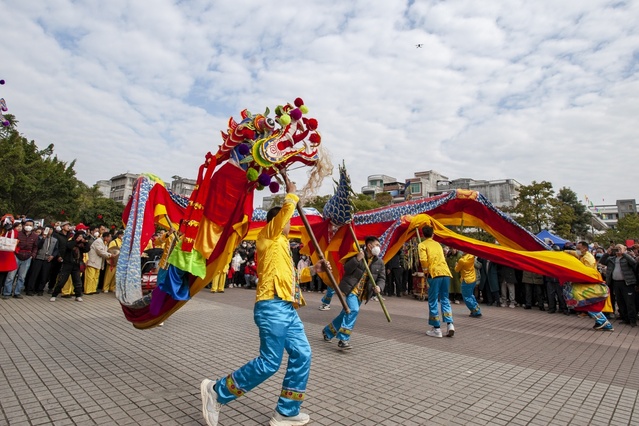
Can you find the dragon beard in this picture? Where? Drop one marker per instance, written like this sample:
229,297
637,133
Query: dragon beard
322,168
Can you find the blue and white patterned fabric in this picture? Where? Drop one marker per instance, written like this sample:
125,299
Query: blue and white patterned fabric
128,284
339,208
259,215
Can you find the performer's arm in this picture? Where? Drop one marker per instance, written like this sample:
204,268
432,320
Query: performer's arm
275,226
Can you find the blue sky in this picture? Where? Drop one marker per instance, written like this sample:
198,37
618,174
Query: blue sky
540,90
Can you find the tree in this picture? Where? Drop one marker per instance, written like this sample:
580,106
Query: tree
532,210
34,182
97,210
580,219
627,229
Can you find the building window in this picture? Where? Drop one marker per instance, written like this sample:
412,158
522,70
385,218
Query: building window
416,188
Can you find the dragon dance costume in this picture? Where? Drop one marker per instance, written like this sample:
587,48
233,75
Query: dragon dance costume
278,296
466,267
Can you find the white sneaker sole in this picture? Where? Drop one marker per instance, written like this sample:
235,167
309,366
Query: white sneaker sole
204,394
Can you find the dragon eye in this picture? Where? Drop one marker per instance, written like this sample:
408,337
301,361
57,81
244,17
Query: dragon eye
270,122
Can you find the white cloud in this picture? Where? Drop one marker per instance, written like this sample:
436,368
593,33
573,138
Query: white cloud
525,90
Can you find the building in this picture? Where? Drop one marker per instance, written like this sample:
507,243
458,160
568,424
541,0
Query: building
104,186
501,193
183,186
611,213
122,187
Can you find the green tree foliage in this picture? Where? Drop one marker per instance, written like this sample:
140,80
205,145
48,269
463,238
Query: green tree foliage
533,208
580,217
35,183
627,229
97,210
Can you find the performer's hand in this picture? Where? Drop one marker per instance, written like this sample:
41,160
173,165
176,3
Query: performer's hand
290,187
360,255
377,289
322,266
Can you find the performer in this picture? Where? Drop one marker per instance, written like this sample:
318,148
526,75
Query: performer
469,277
277,297
583,254
326,300
356,284
431,256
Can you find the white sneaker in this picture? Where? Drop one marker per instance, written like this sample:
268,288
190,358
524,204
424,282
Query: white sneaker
451,330
78,299
434,332
456,302
503,305
512,306
325,307
280,420
52,299
105,292
210,407
374,298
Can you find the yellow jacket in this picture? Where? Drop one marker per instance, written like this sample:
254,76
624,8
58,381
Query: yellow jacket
277,276
466,267
587,258
431,257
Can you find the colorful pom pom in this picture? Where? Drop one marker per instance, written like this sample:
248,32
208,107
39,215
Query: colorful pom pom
5,123
260,187
264,179
252,175
278,110
1,81
243,149
311,123
298,102
304,109
296,114
274,187
285,120
315,138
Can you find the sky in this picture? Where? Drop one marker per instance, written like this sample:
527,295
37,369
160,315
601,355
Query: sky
525,90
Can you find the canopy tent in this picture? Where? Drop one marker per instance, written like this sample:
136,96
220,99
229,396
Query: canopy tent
546,235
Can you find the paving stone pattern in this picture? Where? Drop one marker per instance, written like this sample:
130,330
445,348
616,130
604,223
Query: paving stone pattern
69,363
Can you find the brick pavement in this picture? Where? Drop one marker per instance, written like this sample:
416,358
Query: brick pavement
68,363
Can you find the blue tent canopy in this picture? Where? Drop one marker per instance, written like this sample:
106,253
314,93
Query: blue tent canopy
545,235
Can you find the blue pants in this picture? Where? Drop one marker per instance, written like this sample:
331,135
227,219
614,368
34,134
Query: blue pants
468,293
438,292
328,296
280,329
23,267
342,325
599,317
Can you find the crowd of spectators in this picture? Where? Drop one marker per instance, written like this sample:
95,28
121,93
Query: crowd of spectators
60,259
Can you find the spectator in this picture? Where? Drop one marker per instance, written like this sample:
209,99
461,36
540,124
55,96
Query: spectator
533,284
489,284
109,274
25,252
303,263
250,274
97,253
394,274
507,278
7,258
621,276
71,258
41,265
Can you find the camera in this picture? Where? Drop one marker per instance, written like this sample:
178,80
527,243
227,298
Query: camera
614,251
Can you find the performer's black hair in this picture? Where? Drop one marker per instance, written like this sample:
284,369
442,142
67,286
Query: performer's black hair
272,213
427,231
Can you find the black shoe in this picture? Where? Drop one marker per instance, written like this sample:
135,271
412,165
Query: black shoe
541,308
28,293
566,312
552,311
326,338
50,291
527,307
40,293
18,296
344,345
6,297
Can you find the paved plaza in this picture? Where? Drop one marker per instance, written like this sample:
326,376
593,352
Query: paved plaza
69,363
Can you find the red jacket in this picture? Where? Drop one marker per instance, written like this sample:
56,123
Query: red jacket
27,245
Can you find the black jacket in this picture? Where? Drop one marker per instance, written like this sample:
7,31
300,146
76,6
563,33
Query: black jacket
628,266
354,270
